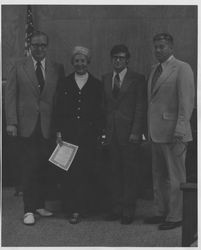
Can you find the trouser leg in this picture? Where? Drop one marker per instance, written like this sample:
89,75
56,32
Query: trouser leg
175,159
34,162
41,173
115,172
130,178
29,161
160,181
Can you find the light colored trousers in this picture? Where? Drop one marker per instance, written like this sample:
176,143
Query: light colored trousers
168,166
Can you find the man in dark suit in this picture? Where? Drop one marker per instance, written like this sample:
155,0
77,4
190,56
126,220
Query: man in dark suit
170,106
29,100
125,112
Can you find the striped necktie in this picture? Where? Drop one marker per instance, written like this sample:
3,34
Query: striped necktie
116,87
39,75
156,75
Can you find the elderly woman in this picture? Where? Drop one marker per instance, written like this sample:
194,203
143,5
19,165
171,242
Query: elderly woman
79,119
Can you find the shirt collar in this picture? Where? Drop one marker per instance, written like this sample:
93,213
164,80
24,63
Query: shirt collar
164,64
82,77
121,74
42,62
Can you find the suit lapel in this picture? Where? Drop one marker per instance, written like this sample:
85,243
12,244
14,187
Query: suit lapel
125,84
150,80
108,85
30,72
170,68
50,77
48,74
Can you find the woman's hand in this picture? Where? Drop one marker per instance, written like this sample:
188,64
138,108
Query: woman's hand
59,139
134,139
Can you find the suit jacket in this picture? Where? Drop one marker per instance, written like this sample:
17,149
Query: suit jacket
23,100
126,114
171,103
79,114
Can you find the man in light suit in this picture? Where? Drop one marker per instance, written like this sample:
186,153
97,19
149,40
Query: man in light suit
170,105
125,112
29,100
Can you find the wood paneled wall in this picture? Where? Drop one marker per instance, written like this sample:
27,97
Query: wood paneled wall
99,27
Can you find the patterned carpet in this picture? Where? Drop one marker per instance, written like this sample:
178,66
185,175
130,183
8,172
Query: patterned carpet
92,231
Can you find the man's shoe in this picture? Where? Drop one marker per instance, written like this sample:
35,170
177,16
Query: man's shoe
75,218
112,217
126,220
29,219
154,220
169,225
44,212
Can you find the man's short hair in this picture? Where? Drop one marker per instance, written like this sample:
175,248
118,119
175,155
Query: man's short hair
39,33
163,36
120,48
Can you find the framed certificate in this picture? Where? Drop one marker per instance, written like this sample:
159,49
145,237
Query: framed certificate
63,155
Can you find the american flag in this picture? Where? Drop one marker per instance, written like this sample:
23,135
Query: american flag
28,31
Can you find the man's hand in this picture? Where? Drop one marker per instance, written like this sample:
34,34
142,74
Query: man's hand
177,138
102,140
11,130
134,138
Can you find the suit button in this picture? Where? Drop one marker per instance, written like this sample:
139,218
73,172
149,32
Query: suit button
65,92
78,117
79,100
79,92
78,108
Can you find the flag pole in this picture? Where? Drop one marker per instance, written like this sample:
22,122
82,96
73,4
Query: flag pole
29,28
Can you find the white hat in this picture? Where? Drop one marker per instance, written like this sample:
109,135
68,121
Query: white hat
81,50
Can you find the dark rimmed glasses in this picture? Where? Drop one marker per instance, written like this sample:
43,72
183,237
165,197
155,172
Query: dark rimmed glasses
39,45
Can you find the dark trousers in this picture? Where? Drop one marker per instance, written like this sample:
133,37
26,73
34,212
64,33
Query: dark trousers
12,164
34,160
123,177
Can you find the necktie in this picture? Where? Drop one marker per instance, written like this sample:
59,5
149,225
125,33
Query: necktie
39,75
116,87
156,75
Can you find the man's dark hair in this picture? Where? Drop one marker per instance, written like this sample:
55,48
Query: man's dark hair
120,48
164,36
39,33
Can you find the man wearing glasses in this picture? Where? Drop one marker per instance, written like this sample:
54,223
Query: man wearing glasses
29,99
125,111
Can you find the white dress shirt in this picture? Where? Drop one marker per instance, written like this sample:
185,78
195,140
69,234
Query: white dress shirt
121,76
42,66
164,64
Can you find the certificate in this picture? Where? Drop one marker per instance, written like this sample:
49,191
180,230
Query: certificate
63,155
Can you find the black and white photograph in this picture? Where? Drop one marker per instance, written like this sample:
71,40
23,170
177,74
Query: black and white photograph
110,89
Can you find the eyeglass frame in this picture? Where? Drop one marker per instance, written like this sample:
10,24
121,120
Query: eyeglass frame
121,58
37,45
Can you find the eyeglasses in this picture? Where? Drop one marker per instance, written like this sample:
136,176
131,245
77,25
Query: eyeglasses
37,45
121,58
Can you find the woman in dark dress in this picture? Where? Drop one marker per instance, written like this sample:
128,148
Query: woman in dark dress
79,120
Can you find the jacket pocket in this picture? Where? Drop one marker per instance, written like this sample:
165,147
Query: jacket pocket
169,116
